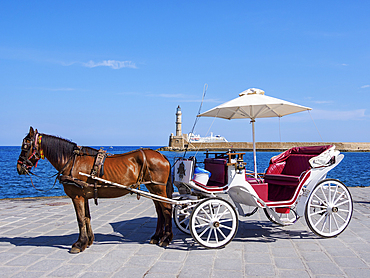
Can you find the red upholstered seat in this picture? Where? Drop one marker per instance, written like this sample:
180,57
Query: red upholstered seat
284,172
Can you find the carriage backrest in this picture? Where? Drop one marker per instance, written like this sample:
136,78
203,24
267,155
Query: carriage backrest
296,164
218,169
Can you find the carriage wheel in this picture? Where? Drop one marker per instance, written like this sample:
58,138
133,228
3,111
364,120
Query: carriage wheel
286,218
329,208
213,223
181,217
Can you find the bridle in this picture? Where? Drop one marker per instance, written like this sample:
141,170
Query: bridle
31,154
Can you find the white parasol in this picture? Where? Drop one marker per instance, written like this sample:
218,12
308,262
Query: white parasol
252,104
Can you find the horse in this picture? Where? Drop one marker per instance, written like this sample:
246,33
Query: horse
143,166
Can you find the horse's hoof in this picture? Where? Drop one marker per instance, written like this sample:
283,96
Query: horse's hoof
75,250
153,241
164,244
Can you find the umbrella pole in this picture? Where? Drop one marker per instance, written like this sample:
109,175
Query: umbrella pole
254,150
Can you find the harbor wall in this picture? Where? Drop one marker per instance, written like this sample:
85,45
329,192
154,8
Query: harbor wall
265,146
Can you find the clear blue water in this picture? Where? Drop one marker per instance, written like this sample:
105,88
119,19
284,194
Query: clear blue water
353,171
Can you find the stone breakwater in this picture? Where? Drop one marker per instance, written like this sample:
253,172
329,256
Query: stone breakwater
268,146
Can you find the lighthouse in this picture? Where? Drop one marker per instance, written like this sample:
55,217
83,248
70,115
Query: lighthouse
178,141
178,121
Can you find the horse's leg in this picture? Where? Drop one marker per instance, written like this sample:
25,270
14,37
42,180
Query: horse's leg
159,232
89,230
81,244
166,210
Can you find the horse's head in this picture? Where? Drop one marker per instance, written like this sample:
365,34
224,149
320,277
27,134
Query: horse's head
30,154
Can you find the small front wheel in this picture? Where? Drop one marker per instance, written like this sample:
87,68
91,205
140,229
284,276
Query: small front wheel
181,216
329,208
213,223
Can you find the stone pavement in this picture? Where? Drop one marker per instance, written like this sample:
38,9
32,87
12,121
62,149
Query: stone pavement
36,234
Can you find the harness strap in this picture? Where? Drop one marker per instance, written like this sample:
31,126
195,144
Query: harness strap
98,170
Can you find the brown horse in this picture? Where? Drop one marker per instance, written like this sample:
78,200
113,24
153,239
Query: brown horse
129,169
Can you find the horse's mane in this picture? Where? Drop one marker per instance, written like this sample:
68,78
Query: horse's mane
56,148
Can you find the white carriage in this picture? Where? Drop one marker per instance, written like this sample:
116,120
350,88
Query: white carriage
294,185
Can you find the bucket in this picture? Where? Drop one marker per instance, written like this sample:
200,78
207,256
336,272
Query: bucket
201,176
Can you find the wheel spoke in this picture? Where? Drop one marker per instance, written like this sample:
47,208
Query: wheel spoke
226,227
335,221
344,210
317,206
320,201
341,217
336,190
215,232
340,196
323,193
219,230
324,223
321,218
317,212
206,213
201,218
223,213
209,234
204,231
183,221
342,203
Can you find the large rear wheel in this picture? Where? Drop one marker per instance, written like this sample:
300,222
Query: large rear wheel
213,223
329,208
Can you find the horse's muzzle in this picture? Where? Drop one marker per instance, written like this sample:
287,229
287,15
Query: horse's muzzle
21,170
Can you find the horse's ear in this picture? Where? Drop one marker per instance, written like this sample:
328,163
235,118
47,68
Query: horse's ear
31,132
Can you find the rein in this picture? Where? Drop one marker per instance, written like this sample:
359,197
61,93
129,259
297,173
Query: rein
55,175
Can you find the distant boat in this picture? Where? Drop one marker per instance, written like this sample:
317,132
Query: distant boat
196,138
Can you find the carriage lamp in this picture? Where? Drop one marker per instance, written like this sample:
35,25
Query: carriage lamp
239,166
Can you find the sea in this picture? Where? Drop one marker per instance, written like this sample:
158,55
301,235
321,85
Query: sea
354,170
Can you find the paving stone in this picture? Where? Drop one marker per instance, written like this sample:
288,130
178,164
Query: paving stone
129,271
328,268
257,258
225,274
294,273
45,265
228,264
262,270
349,262
289,263
192,272
166,267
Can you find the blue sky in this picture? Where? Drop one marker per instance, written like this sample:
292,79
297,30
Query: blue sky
114,72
